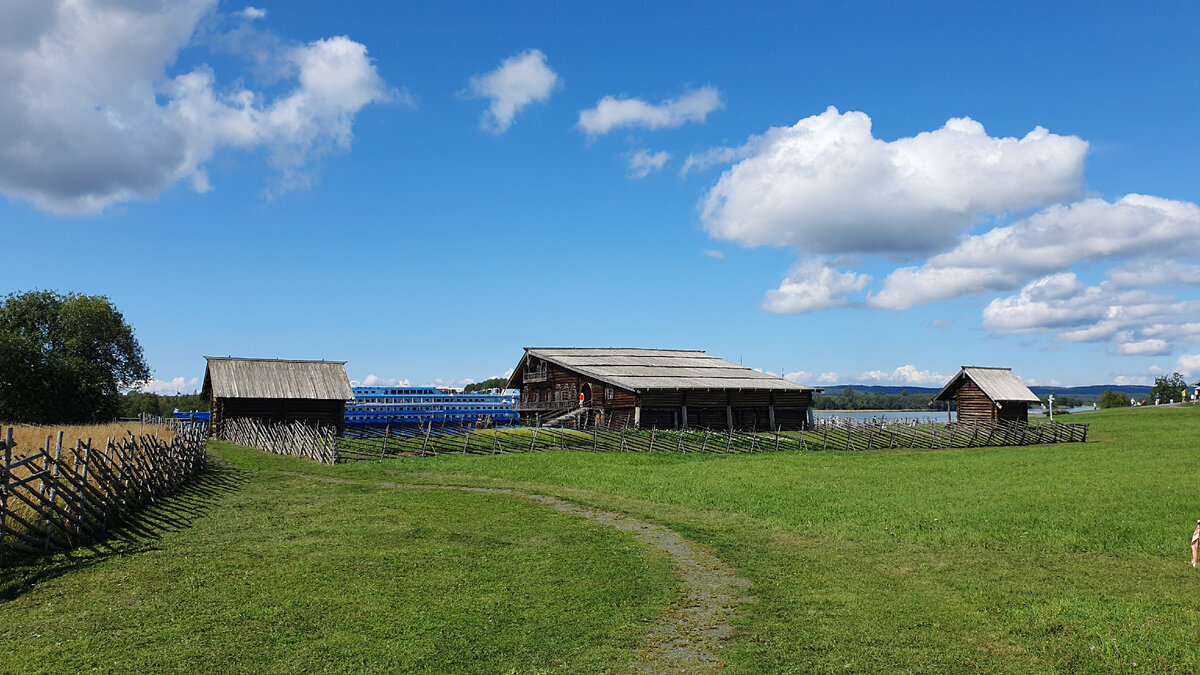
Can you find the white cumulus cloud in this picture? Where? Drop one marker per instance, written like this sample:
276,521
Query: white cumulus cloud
373,380
1153,347
171,387
1053,240
906,374
813,285
826,185
90,115
612,113
1189,364
519,81
1139,322
643,162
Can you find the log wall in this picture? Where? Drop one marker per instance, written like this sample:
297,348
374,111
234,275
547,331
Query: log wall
661,409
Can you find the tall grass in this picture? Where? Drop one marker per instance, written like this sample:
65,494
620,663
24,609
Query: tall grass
32,439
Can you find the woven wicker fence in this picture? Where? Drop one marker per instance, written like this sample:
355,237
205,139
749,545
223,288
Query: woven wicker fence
284,438
55,498
364,442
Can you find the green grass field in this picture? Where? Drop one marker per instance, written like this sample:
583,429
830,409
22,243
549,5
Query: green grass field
1066,558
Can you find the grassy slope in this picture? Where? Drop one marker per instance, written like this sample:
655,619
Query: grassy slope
996,560
259,571
1019,559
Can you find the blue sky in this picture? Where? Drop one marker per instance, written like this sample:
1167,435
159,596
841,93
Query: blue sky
839,192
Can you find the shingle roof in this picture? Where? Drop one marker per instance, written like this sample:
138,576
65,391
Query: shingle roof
999,384
228,377
644,369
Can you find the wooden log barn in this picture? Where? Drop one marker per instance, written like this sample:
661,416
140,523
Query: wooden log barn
273,390
988,395
654,388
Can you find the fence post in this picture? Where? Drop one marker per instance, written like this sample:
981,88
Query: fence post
595,436
777,438
652,430
52,493
8,446
622,440
729,440
495,438
533,442
467,441
428,430
704,445
387,431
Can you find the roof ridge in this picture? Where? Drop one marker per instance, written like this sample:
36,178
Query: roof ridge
256,358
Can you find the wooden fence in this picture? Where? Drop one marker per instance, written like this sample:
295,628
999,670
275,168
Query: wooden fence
283,438
50,502
373,443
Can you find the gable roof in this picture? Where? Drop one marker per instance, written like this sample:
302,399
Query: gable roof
646,369
228,377
998,384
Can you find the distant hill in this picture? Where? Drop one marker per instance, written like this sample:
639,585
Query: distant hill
1086,390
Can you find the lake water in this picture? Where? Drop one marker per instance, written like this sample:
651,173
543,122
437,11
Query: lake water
921,415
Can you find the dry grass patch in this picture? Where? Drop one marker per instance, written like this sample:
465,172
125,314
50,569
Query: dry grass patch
33,439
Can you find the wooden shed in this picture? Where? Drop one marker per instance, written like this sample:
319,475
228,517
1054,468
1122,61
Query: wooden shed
988,395
276,390
654,388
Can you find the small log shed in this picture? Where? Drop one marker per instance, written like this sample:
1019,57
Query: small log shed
654,388
276,390
988,395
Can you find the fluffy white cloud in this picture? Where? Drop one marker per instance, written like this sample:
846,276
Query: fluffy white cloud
813,285
452,384
906,374
175,385
643,162
1152,347
373,380
713,253
89,115
827,185
827,378
253,13
1189,364
612,113
519,81
1138,322
1053,240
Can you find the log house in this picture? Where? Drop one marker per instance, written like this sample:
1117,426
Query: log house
988,395
276,390
654,388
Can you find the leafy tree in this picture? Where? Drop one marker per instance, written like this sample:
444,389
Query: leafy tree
1113,399
135,403
1168,388
63,358
492,383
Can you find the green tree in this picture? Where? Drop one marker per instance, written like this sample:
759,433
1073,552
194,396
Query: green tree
1113,399
64,358
1168,388
492,383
